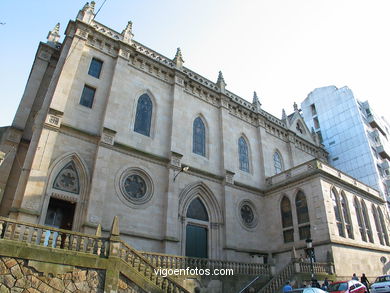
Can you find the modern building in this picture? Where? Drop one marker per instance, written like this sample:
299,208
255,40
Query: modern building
109,127
356,139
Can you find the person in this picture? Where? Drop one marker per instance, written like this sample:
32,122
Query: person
364,281
287,287
354,277
315,284
325,284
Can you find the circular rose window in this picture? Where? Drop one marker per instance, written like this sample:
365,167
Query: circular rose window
247,214
135,186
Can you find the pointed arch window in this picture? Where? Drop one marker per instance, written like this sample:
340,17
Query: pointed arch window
384,230
337,212
377,225
346,215
367,222
197,210
359,216
143,117
197,230
287,220
68,179
243,154
199,137
302,215
278,163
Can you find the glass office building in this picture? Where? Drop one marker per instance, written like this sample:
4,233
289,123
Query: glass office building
356,139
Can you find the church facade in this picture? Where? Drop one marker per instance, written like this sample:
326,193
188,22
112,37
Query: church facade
108,127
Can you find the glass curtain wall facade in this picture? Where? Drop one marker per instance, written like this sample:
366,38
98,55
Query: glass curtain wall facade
356,139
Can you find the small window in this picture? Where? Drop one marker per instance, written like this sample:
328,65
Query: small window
288,236
316,123
87,96
299,128
143,116
95,68
278,163
320,136
243,154
199,137
313,109
304,232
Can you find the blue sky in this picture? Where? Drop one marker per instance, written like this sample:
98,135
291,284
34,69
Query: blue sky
283,49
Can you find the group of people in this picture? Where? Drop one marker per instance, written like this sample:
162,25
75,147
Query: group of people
363,280
314,284
325,285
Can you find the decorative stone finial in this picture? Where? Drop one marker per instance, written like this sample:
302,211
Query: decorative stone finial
256,101
221,82
294,253
295,106
284,116
115,227
178,60
87,13
127,33
99,231
54,35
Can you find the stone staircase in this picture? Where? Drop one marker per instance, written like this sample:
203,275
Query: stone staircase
63,241
279,279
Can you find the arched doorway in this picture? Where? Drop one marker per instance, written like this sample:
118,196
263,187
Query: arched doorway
66,191
201,222
197,228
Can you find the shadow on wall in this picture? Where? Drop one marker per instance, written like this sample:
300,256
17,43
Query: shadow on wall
386,268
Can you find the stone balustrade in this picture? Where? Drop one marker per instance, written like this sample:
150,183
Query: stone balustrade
182,262
318,268
52,237
147,269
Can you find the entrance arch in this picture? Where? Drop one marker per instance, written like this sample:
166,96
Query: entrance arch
201,222
64,202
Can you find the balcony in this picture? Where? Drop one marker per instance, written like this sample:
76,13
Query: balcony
386,181
376,123
383,151
385,164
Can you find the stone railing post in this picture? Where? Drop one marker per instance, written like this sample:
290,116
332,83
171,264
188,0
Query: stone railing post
297,265
331,268
112,272
114,238
272,265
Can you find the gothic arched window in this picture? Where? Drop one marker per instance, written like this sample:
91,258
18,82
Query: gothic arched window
197,230
302,215
243,154
197,210
384,230
367,222
337,211
143,117
278,163
68,179
377,224
287,220
199,137
346,216
359,216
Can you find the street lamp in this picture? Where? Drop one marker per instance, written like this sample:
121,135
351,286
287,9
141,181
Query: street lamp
310,253
185,169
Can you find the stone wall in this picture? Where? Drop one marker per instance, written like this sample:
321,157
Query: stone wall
127,286
17,275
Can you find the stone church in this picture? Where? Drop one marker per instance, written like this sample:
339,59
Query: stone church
109,127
